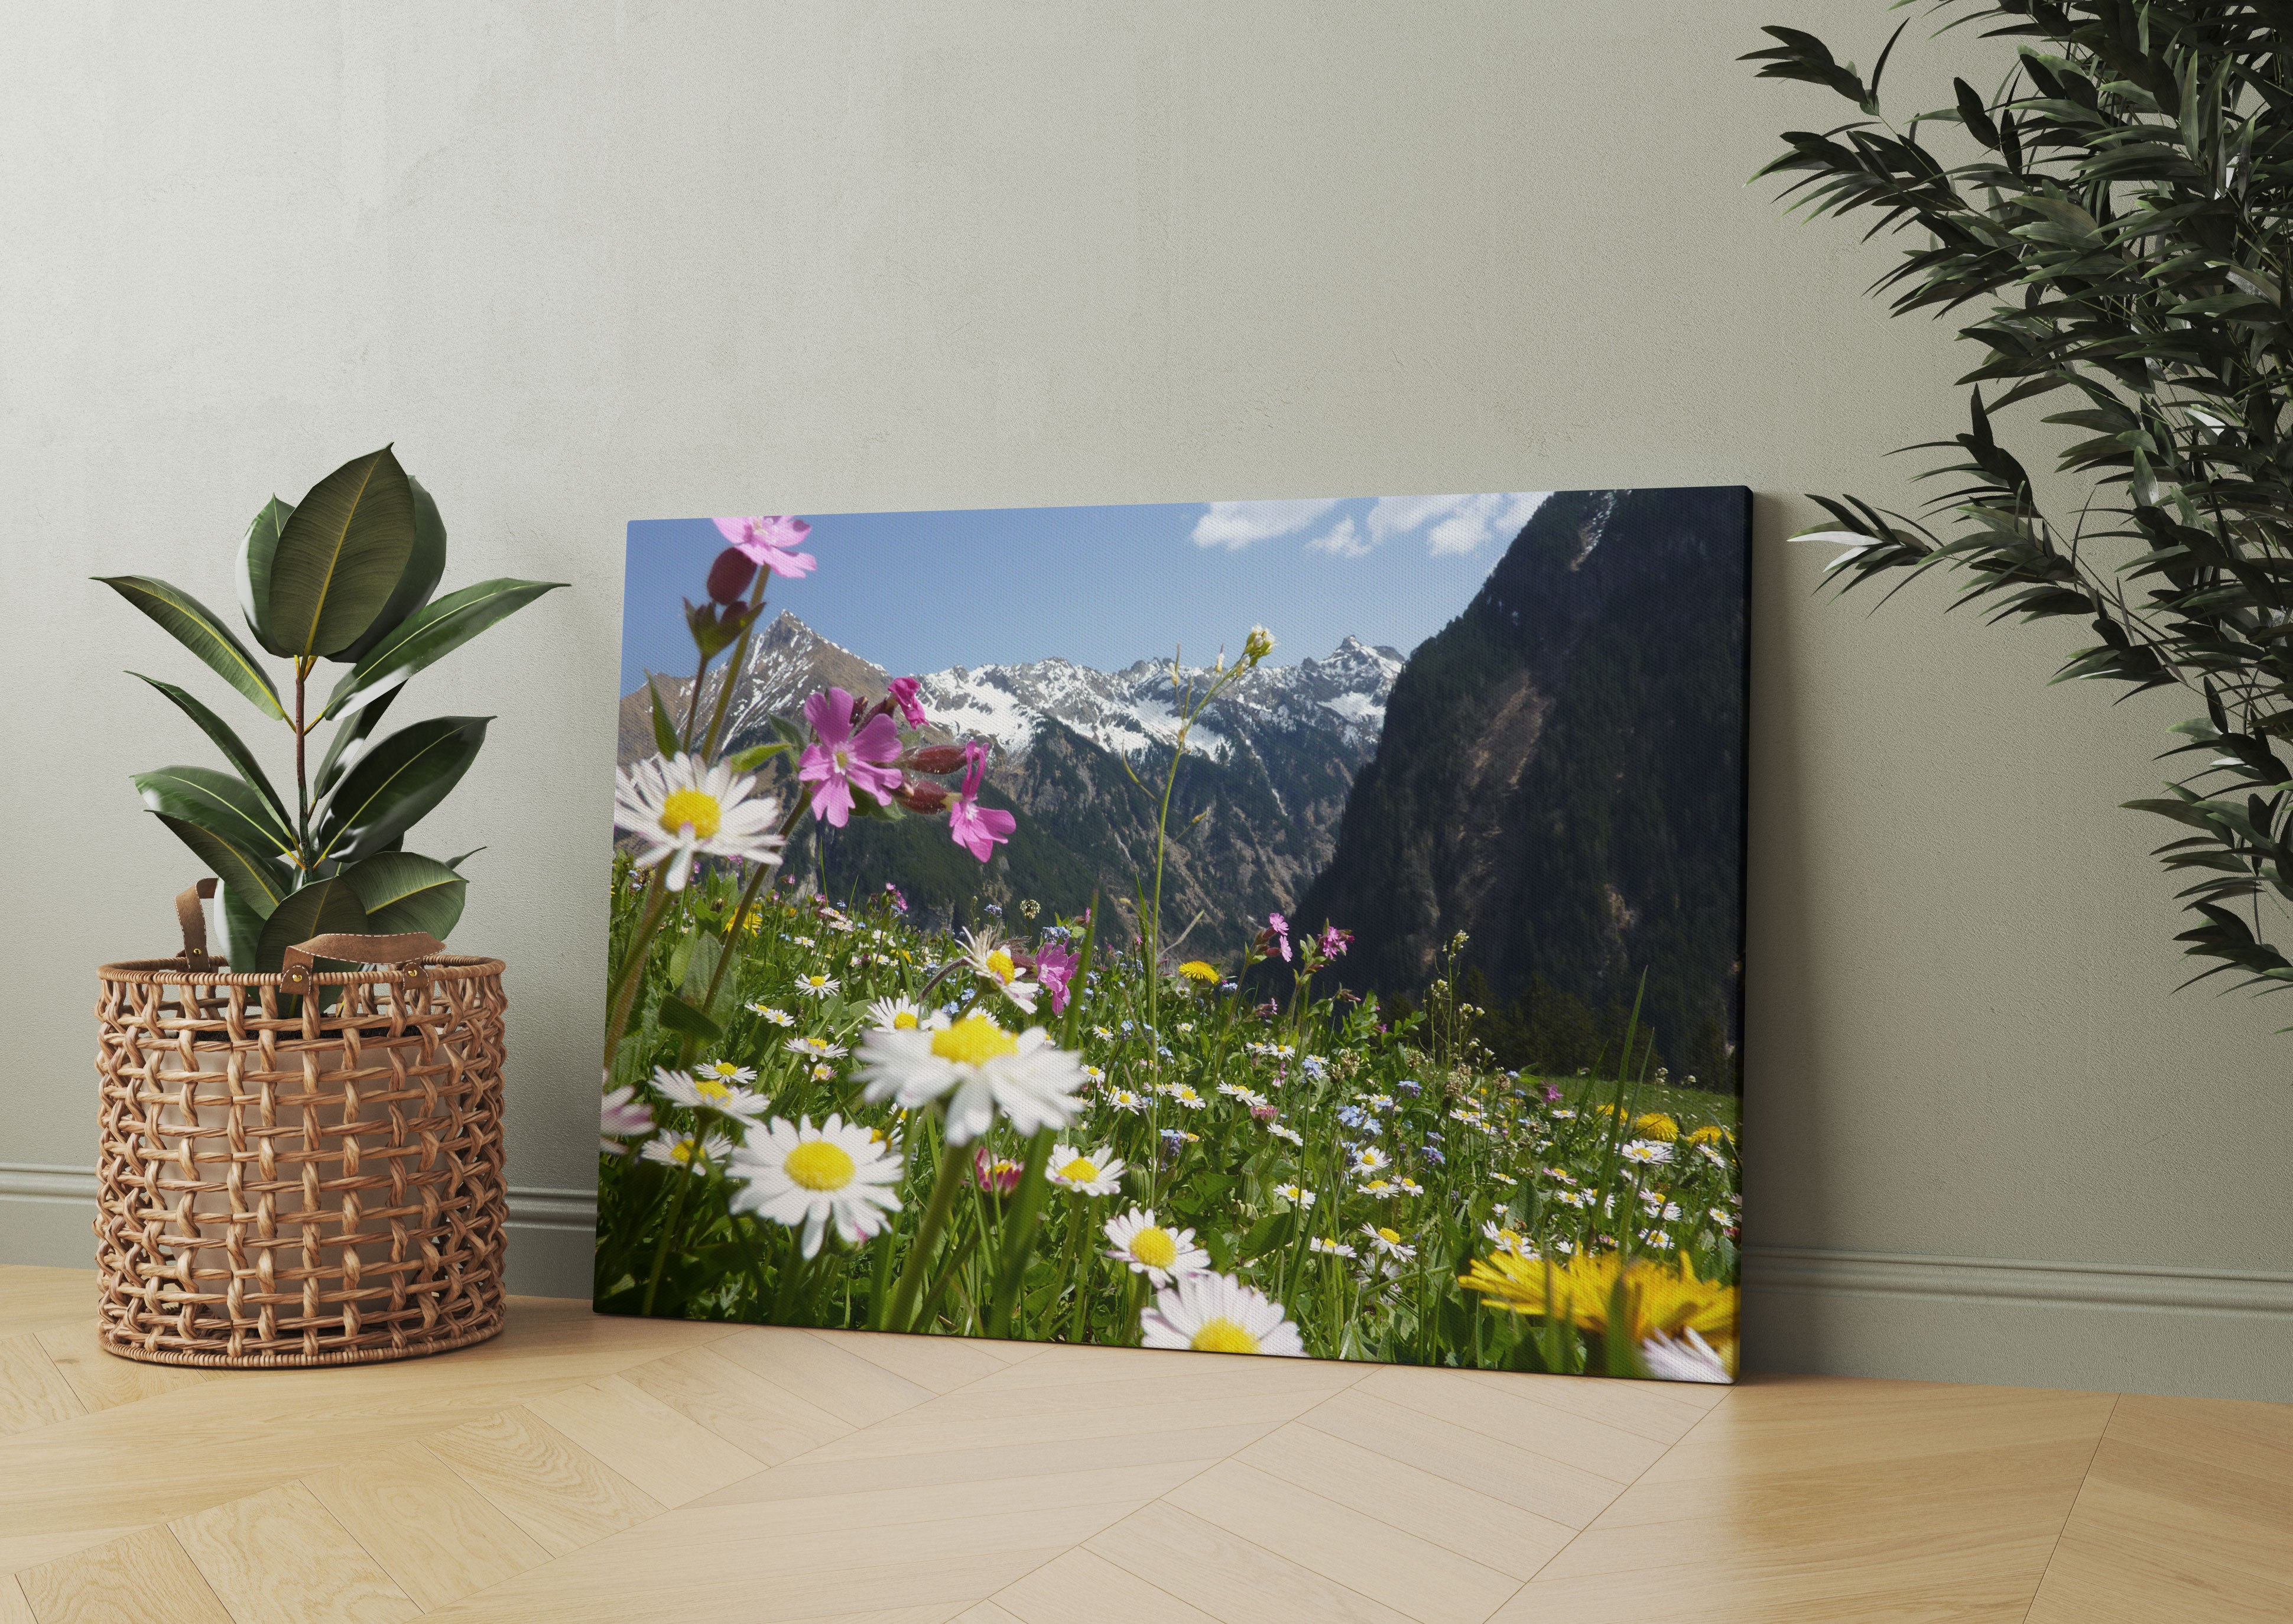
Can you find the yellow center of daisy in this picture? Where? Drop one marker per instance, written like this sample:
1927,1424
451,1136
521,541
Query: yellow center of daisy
683,1151
817,1164
693,807
973,1041
712,1091
1082,1170
815,980
1389,1237
723,1068
905,1021
1155,1247
1223,1335
999,962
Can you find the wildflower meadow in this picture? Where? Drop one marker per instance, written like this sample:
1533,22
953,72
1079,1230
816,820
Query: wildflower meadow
818,1112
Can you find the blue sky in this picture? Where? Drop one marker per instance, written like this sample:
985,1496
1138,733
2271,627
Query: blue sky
1101,586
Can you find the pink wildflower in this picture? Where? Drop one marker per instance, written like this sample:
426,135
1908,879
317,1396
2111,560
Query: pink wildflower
767,539
972,826
1055,968
842,757
1335,942
997,1175
899,903
1279,928
903,694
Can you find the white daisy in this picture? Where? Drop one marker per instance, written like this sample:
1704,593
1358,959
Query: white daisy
1097,1173
818,986
1505,1240
992,962
1645,1152
779,1017
622,1115
1216,1313
1184,1095
1691,1358
1296,1195
1369,1158
823,1072
726,1071
1331,1248
1718,1214
707,1093
1388,1243
1094,1073
903,1015
681,808
1123,1100
683,1150
1409,1186
808,1177
1279,1131
979,1069
804,941
1151,1250
815,1049
1103,1033
1379,1189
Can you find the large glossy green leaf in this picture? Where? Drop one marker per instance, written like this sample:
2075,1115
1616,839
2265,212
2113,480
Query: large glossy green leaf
395,783
340,556
318,909
423,567
241,922
349,742
260,879
429,634
195,626
403,891
225,740
217,802
257,548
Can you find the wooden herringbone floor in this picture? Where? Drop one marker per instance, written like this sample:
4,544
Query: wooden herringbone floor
612,1470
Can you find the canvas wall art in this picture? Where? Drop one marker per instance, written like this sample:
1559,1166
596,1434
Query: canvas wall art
1289,927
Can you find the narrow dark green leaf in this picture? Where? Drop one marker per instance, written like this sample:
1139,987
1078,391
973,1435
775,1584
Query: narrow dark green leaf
340,556
425,565
217,802
403,891
260,879
429,634
395,783
664,731
679,1016
257,548
195,626
233,749
349,742
749,761
456,863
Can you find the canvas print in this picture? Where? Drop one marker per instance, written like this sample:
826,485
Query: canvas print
1284,928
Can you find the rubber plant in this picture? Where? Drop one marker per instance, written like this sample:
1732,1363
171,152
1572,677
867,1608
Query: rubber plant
346,576
2109,226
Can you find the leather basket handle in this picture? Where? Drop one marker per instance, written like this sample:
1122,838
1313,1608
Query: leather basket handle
193,920
295,965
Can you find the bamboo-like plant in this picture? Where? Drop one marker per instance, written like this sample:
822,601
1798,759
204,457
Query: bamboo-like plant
346,576
2114,216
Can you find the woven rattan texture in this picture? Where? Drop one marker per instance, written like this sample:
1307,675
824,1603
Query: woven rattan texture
287,1184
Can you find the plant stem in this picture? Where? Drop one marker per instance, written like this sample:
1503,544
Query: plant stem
739,659
927,1233
1079,1271
633,972
669,1224
302,784
1018,1246
693,701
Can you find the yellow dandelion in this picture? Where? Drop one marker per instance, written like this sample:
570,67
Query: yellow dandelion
1655,1124
1197,969
1656,1299
1708,1135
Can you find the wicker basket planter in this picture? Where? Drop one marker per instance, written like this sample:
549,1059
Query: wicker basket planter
294,1175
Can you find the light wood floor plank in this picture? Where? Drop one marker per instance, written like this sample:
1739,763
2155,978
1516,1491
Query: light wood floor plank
103,1379
144,1579
986,1612
1083,1585
34,1298
1414,1577
19,1551
430,1530
563,1496
13,1608
1538,1484
939,1364
33,1393
1515,1418
1489,1530
1228,1577
280,1557
822,1372
756,1417
662,1450
1184,1451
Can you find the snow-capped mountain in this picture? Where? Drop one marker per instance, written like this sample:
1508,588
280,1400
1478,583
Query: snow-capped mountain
1270,764
1343,696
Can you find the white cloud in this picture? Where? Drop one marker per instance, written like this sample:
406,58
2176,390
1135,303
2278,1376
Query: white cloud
1450,524
1234,526
1343,539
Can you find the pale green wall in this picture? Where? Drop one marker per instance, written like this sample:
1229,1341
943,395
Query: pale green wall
585,263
